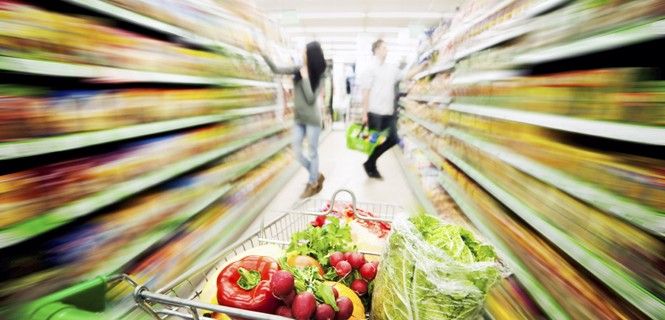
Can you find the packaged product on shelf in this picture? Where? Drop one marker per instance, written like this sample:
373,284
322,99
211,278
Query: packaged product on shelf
578,295
445,270
30,31
105,243
50,186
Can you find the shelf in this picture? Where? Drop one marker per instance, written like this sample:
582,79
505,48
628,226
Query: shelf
39,146
433,157
548,304
484,76
615,39
434,128
465,27
114,75
493,40
605,129
127,254
642,216
156,25
78,208
430,99
606,271
439,67
414,184
187,213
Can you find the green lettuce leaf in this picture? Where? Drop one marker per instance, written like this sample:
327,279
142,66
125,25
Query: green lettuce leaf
433,270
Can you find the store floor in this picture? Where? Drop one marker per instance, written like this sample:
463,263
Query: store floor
343,169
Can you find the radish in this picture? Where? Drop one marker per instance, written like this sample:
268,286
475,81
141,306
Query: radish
303,306
376,265
345,308
357,260
347,255
284,311
368,271
282,283
343,268
359,286
335,292
325,312
288,299
335,258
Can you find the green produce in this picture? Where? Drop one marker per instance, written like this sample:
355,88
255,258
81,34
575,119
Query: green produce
321,242
433,270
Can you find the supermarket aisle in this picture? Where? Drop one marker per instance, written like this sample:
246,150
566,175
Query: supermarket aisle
343,169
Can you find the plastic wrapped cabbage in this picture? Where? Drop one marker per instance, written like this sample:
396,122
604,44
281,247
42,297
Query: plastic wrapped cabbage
433,270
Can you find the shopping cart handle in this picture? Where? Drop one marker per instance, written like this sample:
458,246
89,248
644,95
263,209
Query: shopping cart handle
334,197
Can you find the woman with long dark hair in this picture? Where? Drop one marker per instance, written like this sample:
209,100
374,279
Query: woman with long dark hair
307,86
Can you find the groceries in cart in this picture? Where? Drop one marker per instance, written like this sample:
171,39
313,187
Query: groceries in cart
433,271
310,265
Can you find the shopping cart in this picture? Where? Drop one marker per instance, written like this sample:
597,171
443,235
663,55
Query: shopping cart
180,299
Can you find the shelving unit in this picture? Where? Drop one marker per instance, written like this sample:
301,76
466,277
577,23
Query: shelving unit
610,40
57,217
467,131
39,146
97,75
113,75
611,130
640,215
116,12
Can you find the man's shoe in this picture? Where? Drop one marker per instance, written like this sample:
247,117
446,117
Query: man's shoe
319,183
310,190
375,174
372,172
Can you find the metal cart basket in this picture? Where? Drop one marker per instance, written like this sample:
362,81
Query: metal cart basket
180,299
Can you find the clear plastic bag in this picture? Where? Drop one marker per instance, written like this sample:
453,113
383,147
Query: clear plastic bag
433,270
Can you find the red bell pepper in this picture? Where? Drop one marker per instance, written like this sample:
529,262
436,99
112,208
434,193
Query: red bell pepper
245,284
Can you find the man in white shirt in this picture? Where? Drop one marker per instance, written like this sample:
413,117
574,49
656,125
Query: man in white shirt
378,101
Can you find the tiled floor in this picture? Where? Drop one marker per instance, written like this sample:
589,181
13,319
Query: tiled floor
343,169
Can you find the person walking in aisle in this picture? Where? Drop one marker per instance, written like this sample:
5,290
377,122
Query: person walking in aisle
307,86
378,101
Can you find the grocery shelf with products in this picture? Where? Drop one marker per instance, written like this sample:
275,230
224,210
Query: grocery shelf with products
555,160
120,149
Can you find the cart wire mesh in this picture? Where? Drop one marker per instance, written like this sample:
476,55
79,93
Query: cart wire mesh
181,298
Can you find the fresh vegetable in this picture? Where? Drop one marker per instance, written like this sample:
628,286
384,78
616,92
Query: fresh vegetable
345,308
282,284
319,221
357,260
300,261
304,306
343,268
344,291
319,243
335,292
335,258
347,255
368,271
209,292
288,299
359,286
443,268
284,311
324,312
245,284
308,279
